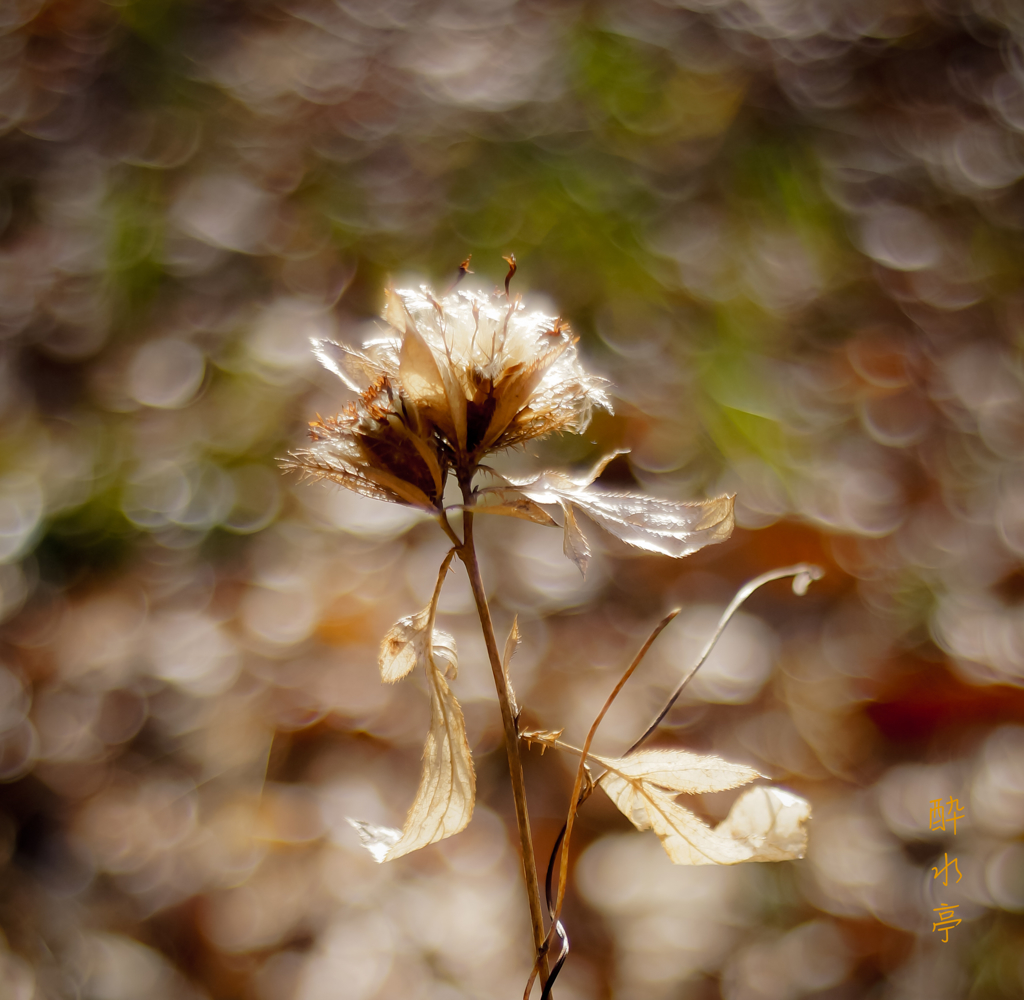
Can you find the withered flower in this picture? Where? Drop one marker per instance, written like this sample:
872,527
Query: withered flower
489,374
450,381
447,383
377,445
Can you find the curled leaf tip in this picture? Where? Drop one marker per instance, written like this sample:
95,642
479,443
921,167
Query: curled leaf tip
378,840
804,579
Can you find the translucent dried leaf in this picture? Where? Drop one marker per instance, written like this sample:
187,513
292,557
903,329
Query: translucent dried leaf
765,824
444,800
378,840
680,771
447,790
673,529
519,506
511,645
669,527
772,820
405,646
574,542
357,369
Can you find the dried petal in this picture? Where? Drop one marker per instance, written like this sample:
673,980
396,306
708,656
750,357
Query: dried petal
376,446
507,375
358,369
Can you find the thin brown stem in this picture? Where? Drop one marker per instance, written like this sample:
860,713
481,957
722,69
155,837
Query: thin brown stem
442,519
563,872
803,573
467,553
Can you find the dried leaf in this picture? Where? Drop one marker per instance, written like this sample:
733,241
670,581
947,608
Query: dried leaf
378,840
405,645
511,645
444,801
516,505
447,790
666,526
680,771
765,824
574,542
673,529
545,737
771,820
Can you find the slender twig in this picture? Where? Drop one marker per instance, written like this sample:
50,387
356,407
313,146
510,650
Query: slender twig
442,519
435,597
467,553
804,571
563,873
803,574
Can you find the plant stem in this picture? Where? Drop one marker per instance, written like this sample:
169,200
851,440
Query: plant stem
563,874
467,553
807,571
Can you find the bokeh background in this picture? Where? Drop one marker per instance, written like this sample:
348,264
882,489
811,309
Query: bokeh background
789,231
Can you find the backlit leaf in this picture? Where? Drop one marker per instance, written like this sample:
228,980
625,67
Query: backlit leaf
405,646
680,771
764,824
669,527
511,645
444,800
515,505
447,789
574,543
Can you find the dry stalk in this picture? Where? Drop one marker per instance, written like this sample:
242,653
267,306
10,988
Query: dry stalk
467,553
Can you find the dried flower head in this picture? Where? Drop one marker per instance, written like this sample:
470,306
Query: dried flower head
451,381
488,373
376,446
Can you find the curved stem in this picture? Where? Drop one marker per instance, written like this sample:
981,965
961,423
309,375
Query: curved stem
467,553
804,573
563,874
